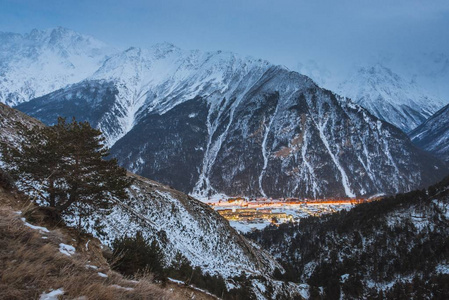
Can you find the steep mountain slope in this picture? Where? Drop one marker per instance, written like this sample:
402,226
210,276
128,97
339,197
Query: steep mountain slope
185,228
41,62
9,122
209,123
389,97
433,135
181,225
188,229
395,248
92,101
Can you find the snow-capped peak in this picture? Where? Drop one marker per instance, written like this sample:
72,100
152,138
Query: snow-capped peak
42,61
390,97
162,49
164,75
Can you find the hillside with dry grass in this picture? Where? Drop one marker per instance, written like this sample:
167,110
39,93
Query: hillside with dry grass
38,258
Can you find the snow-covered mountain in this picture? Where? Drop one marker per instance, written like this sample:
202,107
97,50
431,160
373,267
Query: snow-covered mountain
389,97
215,122
212,122
41,62
430,70
433,135
393,91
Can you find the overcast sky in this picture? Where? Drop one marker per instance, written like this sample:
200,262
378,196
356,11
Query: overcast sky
282,31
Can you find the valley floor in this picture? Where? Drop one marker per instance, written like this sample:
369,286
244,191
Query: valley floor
246,215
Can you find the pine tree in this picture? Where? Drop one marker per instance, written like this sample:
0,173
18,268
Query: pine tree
65,166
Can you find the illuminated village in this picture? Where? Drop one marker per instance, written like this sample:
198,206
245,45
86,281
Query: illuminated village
246,214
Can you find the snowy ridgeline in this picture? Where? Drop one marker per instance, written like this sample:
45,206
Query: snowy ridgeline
391,98
41,62
184,226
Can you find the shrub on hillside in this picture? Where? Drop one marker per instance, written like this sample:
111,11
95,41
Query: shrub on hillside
6,181
133,255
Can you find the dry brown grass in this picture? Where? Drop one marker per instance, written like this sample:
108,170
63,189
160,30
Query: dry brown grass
31,263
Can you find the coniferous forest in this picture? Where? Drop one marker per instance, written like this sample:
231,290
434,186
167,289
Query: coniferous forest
394,248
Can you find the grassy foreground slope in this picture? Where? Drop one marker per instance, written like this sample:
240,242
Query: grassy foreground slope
40,258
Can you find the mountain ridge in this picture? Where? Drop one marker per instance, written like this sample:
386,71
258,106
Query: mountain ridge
258,107
389,97
252,129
